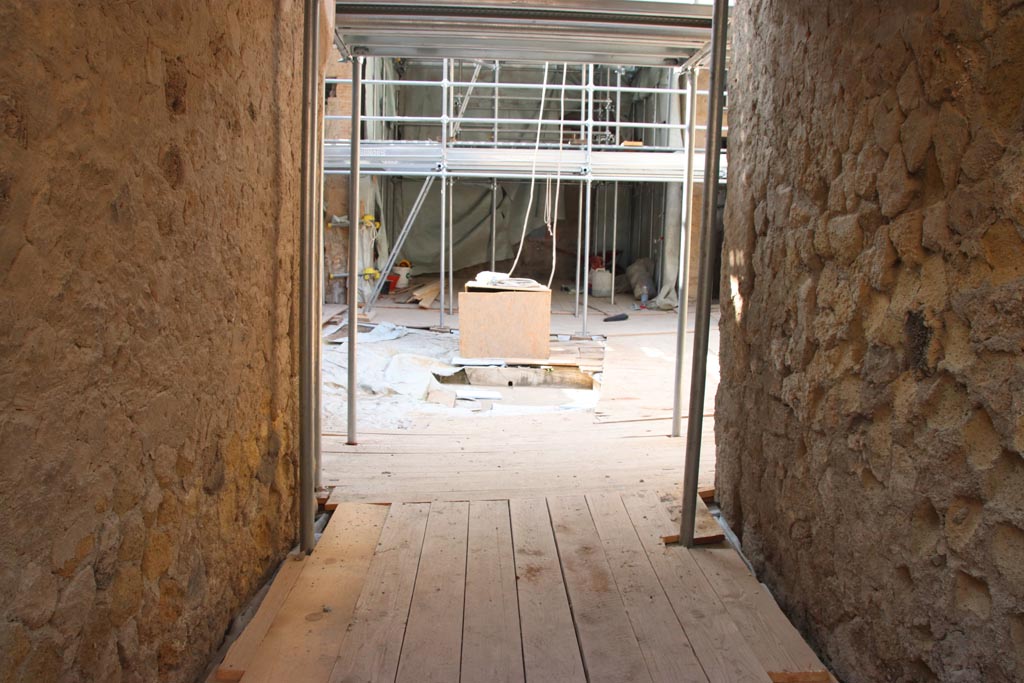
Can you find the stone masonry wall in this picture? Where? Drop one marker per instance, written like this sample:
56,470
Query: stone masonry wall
148,289
870,417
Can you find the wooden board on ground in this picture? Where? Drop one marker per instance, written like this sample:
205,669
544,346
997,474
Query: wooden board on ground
574,588
545,360
373,642
302,642
550,650
425,294
244,649
610,648
334,500
706,530
441,397
639,378
723,653
331,312
561,376
665,647
777,644
492,649
431,651
505,324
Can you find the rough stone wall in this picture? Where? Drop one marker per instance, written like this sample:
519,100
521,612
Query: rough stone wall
870,418
148,287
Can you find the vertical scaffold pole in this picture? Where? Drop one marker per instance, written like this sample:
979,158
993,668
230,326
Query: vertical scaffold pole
698,376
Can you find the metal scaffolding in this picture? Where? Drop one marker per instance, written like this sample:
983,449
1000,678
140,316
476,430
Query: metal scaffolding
578,31
698,374
311,268
584,160
672,35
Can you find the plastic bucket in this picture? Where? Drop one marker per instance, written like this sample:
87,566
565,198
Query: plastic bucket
403,276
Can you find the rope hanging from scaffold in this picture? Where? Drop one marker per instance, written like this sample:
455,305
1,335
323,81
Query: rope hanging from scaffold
533,170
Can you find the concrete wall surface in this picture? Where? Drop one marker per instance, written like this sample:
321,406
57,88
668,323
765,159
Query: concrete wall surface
149,158
870,417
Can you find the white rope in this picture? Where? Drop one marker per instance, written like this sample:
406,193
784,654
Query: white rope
533,171
547,203
558,180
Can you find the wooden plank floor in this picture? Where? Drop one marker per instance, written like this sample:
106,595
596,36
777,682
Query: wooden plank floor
510,457
623,445
564,588
525,548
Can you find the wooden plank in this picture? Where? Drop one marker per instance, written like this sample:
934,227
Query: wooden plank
666,649
474,286
550,650
492,648
526,377
370,648
520,468
723,653
457,447
335,499
427,293
244,649
502,479
775,641
432,287
302,643
489,494
610,648
800,676
637,383
433,636
539,360
332,312
706,530
504,324
440,427
473,443
428,300
441,397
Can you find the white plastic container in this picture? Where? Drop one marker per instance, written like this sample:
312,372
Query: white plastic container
403,275
600,282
